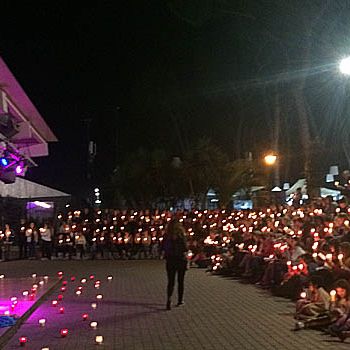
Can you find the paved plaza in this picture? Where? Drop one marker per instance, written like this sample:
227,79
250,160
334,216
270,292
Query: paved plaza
220,313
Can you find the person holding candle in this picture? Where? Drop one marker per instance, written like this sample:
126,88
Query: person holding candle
341,309
314,303
336,315
32,238
175,249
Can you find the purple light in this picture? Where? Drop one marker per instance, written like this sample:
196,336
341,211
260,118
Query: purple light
19,170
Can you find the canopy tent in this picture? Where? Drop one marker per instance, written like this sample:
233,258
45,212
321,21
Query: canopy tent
324,192
25,189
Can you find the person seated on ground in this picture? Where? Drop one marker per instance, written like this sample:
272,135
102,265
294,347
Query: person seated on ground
200,259
335,318
253,263
340,310
314,302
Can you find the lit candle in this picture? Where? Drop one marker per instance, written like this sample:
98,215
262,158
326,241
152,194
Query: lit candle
54,303
41,283
60,273
333,294
64,283
99,296
46,278
7,313
85,317
23,341
83,280
72,278
63,289
2,276
64,332
99,339
93,324
34,275
61,310
303,295
94,306
110,278
340,258
92,277
78,292
42,322
60,297
329,256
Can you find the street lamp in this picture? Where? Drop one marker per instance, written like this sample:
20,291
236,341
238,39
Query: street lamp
344,66
270,159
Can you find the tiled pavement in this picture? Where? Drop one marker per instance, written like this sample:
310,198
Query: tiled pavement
219,313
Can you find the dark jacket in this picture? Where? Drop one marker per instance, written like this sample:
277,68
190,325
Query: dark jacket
175,249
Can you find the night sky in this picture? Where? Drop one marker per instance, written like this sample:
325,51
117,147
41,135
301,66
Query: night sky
140,68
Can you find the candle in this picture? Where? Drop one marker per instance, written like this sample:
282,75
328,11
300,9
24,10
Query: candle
92,277
2,276
23,341
7,313
340,257
60,273
64,332
64,283
61,310
110,278
60,297
99,339
93,324
303,295
34,275
42,322
83,280
54,303
333,294
72,278
94,306
85,317
99,296
78,292
329,256
63,289
46,278
41,283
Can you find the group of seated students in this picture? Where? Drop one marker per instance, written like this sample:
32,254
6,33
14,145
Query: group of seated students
301,253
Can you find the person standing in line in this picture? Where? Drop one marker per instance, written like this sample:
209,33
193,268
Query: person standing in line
175,249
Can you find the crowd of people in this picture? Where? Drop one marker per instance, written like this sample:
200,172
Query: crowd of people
301,252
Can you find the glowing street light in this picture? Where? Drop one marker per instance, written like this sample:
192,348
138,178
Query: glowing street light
270,159
344,66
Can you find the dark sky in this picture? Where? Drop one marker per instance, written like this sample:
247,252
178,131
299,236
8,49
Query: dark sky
200,65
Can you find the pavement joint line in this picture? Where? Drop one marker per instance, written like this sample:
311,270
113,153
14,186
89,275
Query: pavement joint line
7,336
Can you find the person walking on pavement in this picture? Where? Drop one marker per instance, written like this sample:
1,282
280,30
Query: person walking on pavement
176,262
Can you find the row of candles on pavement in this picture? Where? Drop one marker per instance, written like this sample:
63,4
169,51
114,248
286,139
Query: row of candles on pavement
55,303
